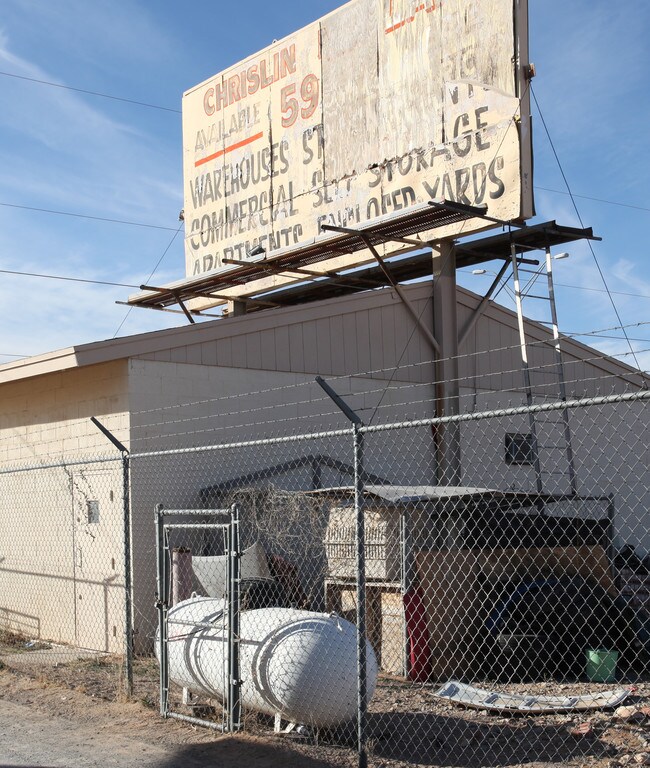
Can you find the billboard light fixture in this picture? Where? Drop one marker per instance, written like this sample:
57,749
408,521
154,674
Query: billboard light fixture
256,250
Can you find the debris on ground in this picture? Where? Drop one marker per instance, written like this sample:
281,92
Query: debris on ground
531,702
583,729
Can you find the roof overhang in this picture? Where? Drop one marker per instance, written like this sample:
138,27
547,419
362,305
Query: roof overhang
400,495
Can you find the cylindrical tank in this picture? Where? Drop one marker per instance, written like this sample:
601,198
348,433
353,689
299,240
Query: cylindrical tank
300,664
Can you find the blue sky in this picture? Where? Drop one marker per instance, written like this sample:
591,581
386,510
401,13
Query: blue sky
67,151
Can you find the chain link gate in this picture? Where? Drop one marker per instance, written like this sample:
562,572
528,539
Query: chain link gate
298,664
205,636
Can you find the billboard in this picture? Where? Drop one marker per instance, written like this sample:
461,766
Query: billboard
375,108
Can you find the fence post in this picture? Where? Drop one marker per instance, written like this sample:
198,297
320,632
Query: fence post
362,671
128,579
162,603
359,487
234,585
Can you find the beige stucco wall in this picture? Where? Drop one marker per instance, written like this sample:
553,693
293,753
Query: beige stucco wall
50,415
61,575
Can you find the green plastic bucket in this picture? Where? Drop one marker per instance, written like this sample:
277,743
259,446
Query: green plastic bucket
601,666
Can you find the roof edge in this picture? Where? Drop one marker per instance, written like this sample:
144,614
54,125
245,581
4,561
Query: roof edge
48,362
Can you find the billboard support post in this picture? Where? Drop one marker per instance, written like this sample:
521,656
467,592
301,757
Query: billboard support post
445,328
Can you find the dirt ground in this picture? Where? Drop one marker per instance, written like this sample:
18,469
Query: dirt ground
408,725
119,733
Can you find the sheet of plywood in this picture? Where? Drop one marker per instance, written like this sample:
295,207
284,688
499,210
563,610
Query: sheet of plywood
454,595
350,89
589,562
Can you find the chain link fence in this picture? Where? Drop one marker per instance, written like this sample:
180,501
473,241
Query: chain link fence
468,590
65,591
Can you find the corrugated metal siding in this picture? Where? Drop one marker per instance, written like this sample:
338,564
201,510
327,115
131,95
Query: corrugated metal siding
373,332
363,335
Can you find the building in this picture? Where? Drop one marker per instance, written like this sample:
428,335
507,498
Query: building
243,378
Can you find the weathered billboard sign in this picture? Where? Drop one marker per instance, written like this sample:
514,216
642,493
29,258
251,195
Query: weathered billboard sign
377,107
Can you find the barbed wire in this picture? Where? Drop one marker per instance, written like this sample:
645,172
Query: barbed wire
54,459
407,392
350,378
539,393
316,416
477,381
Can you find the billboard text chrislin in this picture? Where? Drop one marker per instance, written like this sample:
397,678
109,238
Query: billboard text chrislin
379,106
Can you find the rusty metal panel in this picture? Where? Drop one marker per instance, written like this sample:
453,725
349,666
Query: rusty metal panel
377,107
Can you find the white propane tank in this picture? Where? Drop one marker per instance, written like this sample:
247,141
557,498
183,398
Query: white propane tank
300,664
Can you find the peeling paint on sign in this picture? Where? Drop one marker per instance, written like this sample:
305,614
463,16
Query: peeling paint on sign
377,107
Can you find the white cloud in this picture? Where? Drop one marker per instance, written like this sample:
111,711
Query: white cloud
44,315
75,155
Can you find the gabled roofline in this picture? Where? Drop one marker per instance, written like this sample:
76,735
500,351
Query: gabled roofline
126,347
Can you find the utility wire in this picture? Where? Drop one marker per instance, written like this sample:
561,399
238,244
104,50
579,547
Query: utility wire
602,290
153,272
603,333
67,279
92,282
575,207
85,216
90,93
574,335
577,287
596,199
129,285
171,229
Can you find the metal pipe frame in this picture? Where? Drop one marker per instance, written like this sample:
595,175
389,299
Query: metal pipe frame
162,602
389,277
559,366
233,598
128,577
362,671
234,610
